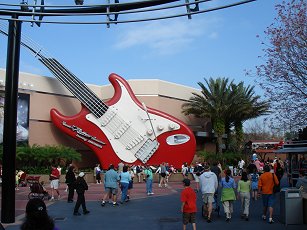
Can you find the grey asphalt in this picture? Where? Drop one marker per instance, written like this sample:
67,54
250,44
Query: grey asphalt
153,213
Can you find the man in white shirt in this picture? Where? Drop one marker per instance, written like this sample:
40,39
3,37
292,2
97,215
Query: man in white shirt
241,164
208,185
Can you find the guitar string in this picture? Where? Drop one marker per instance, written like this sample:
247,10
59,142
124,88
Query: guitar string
56,68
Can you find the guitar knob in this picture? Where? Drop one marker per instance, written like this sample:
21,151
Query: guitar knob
160,127
149,132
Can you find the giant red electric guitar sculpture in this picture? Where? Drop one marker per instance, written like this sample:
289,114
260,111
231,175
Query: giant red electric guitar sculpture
122,129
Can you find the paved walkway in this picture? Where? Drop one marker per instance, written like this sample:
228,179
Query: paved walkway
160,211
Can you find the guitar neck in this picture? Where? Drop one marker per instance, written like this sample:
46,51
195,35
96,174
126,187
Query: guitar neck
81,91
86,96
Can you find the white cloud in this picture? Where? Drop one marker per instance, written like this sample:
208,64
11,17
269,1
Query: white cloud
167,36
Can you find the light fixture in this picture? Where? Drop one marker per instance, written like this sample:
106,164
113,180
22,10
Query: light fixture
79,2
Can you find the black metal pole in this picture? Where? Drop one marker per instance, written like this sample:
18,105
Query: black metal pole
10,122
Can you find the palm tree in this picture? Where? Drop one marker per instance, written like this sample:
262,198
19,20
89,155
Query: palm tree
227,105
214,102
247,106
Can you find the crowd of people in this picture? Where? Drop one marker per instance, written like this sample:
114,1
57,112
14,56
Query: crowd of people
215,183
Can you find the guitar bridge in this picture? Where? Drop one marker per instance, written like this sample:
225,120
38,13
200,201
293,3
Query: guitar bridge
147,150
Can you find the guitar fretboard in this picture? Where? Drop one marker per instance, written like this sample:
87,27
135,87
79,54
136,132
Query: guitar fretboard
86,96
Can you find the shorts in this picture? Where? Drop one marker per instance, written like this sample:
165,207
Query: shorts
188,218
54,184
268,200
208,198
163,175
111,190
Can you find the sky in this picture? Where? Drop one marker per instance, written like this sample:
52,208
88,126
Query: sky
220,43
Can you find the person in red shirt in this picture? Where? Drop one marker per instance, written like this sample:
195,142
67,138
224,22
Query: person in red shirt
54,182
188,205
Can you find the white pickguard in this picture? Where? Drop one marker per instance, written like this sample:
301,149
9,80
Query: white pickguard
126,124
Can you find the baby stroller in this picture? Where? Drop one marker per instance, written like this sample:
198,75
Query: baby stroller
215,207
37,190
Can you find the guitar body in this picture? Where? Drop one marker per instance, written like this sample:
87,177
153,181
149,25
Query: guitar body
129,132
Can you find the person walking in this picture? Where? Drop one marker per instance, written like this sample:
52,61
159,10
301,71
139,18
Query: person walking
130,186
241,165
279,171
198,170
265,186
244,188
254,179
138,171
148,177
111,179
302,181
125,177
208,186
81,187
54,182
188,205
228,195
70,180
98,174
162,175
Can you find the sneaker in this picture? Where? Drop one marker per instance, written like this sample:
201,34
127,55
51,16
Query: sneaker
227,219
165,185
148,194
271,221
246,218
128,197
115,204
86,212
59,197
77,214
103,203
52,198
151,193
209,220
263,217
160,186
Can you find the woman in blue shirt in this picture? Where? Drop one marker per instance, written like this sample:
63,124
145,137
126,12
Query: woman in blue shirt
125,177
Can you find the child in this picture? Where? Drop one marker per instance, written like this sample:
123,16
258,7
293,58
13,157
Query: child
254,178
80,186
188,206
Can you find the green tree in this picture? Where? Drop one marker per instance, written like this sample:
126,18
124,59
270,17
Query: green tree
227,105
247,106
214,102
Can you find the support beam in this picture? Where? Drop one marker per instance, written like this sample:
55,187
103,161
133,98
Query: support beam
10,122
